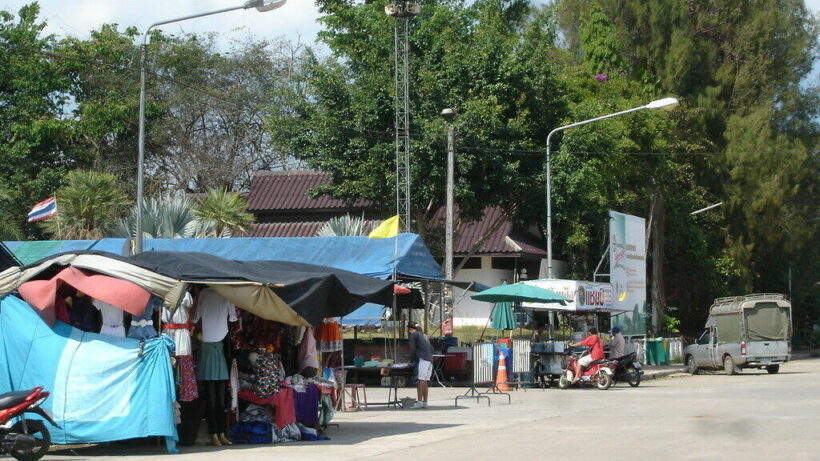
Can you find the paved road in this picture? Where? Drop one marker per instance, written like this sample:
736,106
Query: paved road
746,417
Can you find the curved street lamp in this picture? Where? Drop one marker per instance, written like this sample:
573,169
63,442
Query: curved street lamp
665,103
261,6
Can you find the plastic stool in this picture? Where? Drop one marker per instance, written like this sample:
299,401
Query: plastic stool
353,391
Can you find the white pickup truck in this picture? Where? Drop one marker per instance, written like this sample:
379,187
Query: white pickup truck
752,331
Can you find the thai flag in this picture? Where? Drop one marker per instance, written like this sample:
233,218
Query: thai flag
43,210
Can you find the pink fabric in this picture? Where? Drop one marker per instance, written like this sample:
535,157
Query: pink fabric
42,294
285,408
307,351
61,310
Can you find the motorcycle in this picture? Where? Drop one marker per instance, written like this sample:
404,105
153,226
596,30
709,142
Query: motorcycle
26,439
599,372
627,368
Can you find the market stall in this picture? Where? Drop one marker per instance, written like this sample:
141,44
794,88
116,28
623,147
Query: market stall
245,337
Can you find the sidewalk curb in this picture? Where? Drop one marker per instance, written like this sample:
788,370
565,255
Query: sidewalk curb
662,373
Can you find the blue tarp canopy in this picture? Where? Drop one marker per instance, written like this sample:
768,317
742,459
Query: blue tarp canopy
368,315
102,388
373,257
32,251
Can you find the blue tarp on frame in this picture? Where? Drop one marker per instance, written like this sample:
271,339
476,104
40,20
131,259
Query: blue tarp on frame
373,257
102,388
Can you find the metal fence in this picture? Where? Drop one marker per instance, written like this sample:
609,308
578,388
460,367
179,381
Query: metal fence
675,349
483,363
638,346
521,355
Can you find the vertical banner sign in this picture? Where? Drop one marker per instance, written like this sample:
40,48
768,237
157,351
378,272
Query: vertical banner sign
627,269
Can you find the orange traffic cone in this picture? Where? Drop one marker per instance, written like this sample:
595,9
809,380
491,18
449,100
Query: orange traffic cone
501,376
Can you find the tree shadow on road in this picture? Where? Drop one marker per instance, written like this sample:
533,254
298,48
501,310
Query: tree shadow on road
348,433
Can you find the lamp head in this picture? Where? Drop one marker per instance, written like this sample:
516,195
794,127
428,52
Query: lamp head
665,103
448,113
264,5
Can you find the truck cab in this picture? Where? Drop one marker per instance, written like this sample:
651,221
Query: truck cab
751,331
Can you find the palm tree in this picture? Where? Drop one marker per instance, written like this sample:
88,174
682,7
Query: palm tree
226,211
342,226
167,216
88,207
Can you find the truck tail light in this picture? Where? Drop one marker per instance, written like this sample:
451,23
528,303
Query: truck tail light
742,348
790,348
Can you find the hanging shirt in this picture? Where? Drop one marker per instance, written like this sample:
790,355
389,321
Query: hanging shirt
176,325
112,319
307,352
215,312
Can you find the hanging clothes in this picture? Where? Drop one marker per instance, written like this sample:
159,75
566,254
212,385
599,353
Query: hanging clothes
211,364
61,310
269,373
112,319
307,353
215,311
239,334
178,325
83,315
142,327
330,335
186,385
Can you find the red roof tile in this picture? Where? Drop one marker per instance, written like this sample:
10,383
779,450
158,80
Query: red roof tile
285,193
273,191
502,240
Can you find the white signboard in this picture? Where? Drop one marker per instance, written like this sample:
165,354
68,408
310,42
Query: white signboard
585,296
627,271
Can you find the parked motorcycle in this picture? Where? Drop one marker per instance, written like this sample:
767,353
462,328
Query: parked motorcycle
627,368
599,372
26,439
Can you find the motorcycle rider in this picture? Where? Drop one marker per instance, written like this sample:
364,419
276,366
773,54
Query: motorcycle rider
596,353
617,345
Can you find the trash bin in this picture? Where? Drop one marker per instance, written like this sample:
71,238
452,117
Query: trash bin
656,352
652,347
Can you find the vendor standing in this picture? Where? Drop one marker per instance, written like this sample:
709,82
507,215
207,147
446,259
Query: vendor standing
421,352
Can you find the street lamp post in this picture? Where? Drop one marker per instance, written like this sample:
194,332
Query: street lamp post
665,103
261,6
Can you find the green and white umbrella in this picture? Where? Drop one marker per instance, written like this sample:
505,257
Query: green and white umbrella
503,317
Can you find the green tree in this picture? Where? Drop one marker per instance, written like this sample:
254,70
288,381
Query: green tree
89,206
35,148
491,61
225,211
738,68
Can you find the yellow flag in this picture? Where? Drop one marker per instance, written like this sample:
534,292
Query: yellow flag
388,228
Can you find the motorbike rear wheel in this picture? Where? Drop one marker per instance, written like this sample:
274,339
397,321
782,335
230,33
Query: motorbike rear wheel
633,376
565,380
603,381
38,429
